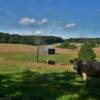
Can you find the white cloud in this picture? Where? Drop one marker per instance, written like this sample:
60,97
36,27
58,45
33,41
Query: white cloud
38,32
72,25
43,21
27,21
32,21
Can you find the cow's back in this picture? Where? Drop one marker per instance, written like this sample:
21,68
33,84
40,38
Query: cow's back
93,68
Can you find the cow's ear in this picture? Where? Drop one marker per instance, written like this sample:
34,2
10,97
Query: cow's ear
71,61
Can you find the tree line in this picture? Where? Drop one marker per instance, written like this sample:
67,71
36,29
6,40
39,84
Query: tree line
28,39
34,40
83,40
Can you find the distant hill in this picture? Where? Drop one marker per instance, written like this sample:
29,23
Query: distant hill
28,39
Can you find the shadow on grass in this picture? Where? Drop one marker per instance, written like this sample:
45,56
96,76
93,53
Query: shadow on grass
50,86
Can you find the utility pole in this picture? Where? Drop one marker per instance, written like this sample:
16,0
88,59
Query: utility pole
37,53
38,43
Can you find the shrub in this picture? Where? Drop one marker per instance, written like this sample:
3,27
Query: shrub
67,46
86,53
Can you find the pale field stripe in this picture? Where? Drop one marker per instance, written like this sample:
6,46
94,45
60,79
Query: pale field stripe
10,48
32,65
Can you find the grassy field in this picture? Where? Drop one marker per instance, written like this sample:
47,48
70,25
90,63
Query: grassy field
21,78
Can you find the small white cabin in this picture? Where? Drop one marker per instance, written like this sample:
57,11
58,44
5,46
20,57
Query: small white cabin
48,49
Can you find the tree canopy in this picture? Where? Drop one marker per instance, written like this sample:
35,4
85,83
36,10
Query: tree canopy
86,53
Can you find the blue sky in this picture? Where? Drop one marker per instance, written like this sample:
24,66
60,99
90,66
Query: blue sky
65,18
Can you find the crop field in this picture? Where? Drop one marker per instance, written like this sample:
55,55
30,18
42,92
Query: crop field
22,78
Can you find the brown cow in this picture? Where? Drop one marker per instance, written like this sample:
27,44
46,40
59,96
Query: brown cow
87,68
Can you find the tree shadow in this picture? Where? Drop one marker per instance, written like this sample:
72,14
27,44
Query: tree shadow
30,85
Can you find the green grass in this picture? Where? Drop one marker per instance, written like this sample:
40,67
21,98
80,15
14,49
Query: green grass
41,68
17,56
58,58
63,58
29,85
22,79
17,62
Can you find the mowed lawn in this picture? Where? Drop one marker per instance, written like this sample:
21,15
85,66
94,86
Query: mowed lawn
21,78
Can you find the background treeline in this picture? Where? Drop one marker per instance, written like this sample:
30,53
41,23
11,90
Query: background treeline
28,39
33,40
83,40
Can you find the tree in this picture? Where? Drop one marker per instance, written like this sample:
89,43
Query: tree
67,45
86,53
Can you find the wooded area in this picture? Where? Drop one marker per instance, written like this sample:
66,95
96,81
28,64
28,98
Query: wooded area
28,39
32,39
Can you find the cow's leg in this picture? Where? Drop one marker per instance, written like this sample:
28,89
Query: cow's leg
84,76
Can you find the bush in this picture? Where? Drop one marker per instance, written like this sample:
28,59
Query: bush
67,46
86,53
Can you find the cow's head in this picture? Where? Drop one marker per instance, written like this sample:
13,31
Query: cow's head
77,63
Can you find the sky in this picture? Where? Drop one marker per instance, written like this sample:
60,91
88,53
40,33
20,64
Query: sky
64,18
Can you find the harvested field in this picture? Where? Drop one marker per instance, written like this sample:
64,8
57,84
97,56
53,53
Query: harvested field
66,51
97,51
16,48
